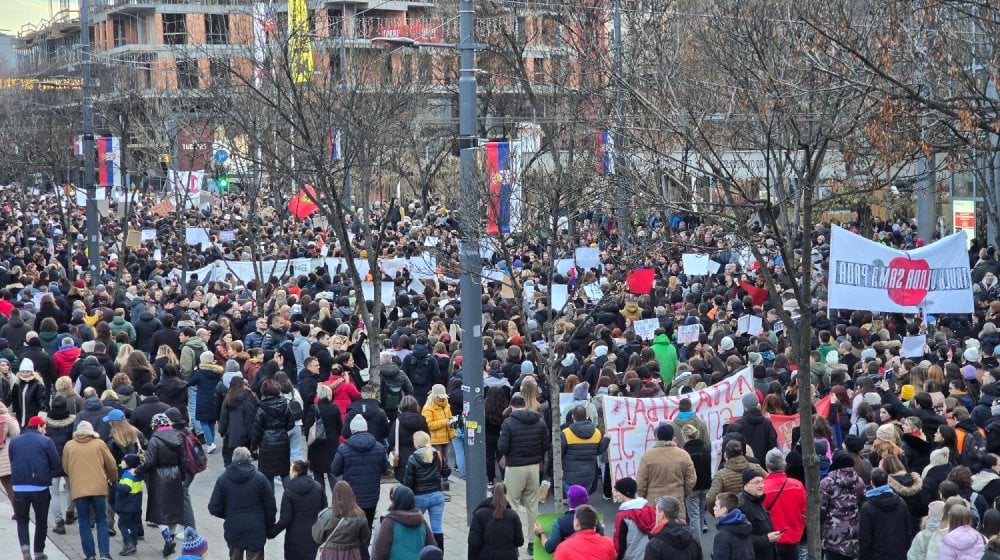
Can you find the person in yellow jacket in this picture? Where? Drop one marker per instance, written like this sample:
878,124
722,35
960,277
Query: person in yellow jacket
442,424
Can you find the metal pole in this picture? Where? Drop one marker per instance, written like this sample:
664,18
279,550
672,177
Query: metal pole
993,190
620,194
343,92
470,288
89,180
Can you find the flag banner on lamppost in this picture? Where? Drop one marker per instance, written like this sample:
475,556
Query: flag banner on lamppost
299,44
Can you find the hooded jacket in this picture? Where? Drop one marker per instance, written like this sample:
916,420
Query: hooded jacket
301,503
89,464
666,356
270,436
164,477
145,328
361,461
205,379
675,542
28,398
582,444
422,370
494,539
190,355
732,542
757,430
907,486
962,542
63,360
94,412
524,438
402,534
369,409
841,494
729,478
666,470
92,375
245,500
633,524
119,325
409,424
884,526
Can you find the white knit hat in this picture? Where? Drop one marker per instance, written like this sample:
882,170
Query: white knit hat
26,365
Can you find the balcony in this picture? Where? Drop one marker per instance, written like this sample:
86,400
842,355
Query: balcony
136,7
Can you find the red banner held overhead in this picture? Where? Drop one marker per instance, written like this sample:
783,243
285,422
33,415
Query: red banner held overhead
640,280
303,204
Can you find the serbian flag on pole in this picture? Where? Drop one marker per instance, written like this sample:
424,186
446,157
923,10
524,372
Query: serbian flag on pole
335,153
498,171
303,205
605,153
640,280
108,156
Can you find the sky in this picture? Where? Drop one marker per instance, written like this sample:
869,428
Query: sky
16,13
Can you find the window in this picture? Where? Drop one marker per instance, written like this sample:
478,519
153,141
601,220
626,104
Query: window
334,21
119,31
187,73
219,71
174,29
216,29
538,70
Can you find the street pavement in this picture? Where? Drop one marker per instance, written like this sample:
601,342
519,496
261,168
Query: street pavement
455,524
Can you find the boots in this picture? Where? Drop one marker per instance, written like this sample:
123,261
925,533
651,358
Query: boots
169,544
60,528
439,537
71,517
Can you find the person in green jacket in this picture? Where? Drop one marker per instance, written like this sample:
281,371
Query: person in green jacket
666,356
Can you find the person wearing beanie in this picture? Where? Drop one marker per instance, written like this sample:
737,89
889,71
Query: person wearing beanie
403,531
126,498
28,395
751,500
582,444
562,528
729,477
360,461
843,492
34,463
64,358
932,524
163,479
495,529
635,519
756,428
193,546
666,469
91,469
786,499
205,379
243,497
59,428
685,416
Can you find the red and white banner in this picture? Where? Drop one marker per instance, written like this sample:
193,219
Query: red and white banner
871,276
785,423
631,423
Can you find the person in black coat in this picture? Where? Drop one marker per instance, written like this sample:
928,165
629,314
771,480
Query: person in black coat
39,357
206,411
167,336
172,390
270,433
236,422
245,499
757,429
322,451
763,536
732,542
701,456
495,531
301,503
408,422
149,406
361,461
28,395
146,327
368,407
163,473
671,540
884,522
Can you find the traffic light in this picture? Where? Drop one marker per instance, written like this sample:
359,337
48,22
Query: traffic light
222,182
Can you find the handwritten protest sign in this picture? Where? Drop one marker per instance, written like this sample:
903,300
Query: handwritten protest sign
593,291
686,334
631,423
695,265
749,324
644,329
148,235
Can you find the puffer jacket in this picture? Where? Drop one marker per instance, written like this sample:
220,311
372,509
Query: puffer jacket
28,398
730,478
145,327
63,360
205,378
841,494
421,477
666,357
524,438
582,444
758,432
438,415
674,542
92,375
119,325
409,424
962,542
301,502
361,461
246,501
701,456
270,436
907,486
494,539
60,431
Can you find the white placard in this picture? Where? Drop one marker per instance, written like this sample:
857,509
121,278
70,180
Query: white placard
750,324
588,258
779,327
695,265
913,346
593,291
388,295
560,295
157,255
430,241
493,275
645,328
416,286
713,267
197,236
148,235
563,266
686,334
227,235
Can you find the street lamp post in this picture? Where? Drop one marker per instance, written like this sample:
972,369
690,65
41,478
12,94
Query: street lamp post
89,170
470,289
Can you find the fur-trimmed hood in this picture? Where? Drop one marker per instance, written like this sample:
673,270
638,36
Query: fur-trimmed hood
905,485
34,377
51,423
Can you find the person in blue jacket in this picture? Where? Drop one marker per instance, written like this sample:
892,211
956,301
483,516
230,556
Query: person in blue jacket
126,498
33,461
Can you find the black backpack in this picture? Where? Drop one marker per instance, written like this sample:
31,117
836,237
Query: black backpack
421,374
393,393
974,449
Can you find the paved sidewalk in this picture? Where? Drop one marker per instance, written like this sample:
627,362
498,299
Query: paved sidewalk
9,547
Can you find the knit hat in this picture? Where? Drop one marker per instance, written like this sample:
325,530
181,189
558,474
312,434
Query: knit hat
581,391
750,401
174,415
438,392
971,354
868,354
935,510
754,358
527,367
232,366
726,344
750,474
194,544
207,357
359,424
85,427
36,421
600,350
841,460
664,432
627,487
969,371
26,365
160,420
854,443
873,399
113,415
906,392
147,390
131,460
577,496
58,409
886,432
431,552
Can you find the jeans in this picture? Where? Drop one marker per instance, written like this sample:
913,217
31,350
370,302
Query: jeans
433,503
60,498
192,401
129,525
295,444
694,505
459,446
83,507
39,502
522,489
208,428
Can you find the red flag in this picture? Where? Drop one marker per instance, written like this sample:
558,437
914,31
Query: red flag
303,205
758,295
640,280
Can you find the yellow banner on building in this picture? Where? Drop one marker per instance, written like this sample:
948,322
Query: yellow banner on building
299,45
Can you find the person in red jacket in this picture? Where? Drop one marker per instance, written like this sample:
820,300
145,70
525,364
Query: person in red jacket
65,357
344,392
634,521
585,543
785,500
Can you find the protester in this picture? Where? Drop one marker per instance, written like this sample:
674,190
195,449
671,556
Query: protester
634,521
582,445
408,422
59,429
91,469
323,414
424,476
301,501
403,532
495,531
28,396
127,503
8,431
523,444
751,498
341,531
361,461
272,421
163,473
884,521
785,500
666,469
732,541
671,540
34,463
243,497
204,379
585,542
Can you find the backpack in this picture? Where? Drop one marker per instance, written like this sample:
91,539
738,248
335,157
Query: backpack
195,459
422,371
393,394
974,449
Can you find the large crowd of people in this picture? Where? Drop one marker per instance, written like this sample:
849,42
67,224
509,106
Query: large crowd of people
118,388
